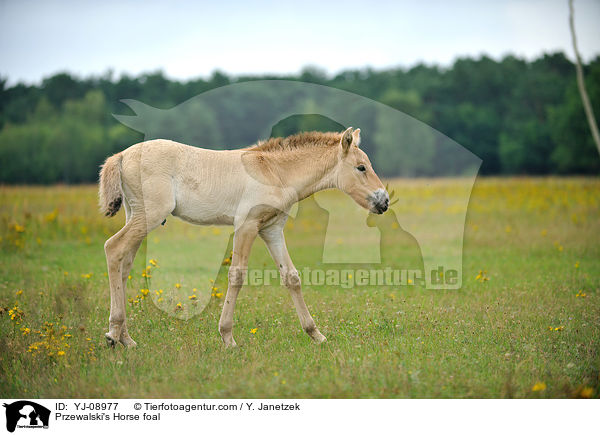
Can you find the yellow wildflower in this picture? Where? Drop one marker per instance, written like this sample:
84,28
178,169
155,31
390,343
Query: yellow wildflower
147,273
482,276
539,386
16,314
253,330
50,217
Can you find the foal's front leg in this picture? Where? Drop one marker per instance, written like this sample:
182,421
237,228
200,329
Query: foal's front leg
242,244
273,237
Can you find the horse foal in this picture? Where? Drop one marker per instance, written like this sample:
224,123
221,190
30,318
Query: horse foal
252,189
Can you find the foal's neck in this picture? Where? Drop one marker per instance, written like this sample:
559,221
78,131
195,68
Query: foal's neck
313,171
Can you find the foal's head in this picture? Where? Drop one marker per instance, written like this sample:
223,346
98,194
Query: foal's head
356,176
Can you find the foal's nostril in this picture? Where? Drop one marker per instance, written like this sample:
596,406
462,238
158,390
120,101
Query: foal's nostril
380,201
381,207
385,203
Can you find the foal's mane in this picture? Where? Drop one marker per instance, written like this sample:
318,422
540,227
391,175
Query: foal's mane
307,139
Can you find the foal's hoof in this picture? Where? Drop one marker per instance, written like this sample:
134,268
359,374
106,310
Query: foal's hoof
319,338
230,344
110,342
127,341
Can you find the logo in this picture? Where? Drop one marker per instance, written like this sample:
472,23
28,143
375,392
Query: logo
405,245
26,414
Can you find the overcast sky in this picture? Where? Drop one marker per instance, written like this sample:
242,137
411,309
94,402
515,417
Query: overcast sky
191,39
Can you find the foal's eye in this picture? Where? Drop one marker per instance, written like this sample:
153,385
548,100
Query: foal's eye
361,168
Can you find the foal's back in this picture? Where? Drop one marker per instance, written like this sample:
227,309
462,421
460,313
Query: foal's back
199,185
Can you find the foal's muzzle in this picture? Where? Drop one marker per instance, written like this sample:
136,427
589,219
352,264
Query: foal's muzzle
380,201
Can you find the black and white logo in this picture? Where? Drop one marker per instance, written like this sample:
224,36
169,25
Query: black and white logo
26,414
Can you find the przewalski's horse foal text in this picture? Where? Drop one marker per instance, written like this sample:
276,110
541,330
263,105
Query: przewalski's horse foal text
252,189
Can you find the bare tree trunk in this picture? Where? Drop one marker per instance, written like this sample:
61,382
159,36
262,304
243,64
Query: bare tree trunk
589,112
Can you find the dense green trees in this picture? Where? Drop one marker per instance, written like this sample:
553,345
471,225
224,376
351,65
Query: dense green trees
519,117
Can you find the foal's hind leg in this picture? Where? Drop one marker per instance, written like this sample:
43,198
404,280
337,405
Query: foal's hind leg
125,339
117,248
120,250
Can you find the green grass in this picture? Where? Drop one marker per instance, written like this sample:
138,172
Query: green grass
488,339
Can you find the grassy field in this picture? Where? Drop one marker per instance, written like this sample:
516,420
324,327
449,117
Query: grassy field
526,322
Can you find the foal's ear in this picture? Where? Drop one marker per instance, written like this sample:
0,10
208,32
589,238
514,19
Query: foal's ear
347,139
356,137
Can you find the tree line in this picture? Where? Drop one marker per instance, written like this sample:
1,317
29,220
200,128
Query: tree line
518,116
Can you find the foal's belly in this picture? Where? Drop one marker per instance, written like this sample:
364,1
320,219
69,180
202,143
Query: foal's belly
203,216
203,208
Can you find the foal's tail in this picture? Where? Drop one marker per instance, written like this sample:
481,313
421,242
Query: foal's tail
110,193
